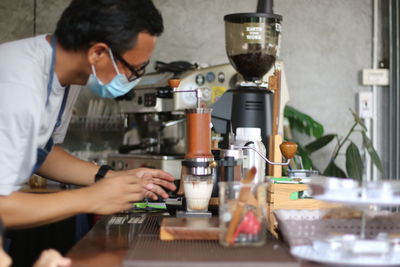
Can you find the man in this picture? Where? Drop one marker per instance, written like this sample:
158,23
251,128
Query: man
104,44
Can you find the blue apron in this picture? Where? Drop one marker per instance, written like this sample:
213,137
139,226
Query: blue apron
43,152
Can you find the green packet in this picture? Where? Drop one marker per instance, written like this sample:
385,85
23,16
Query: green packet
152,205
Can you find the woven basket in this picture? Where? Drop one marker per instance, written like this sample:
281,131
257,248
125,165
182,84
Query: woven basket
301,227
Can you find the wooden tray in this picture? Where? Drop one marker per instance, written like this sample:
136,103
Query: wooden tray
189,229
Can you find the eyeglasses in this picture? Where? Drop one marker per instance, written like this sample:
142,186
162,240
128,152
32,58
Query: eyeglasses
136,72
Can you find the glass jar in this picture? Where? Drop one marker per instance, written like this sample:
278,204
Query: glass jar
242,214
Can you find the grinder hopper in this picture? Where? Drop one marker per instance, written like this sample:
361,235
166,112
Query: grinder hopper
252,43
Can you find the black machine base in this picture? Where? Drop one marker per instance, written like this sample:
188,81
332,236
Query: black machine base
243,107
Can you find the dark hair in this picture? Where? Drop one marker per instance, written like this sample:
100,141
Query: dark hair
114,22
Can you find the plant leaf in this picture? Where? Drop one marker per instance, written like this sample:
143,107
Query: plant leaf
354,163
319,143
333,170
358,120
303,123
372,152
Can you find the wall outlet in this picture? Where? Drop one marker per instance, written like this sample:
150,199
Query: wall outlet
365,105
375,77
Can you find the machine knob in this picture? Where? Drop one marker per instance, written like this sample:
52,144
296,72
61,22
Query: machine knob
213,164
288,149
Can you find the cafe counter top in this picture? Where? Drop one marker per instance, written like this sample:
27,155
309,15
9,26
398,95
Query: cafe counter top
132,239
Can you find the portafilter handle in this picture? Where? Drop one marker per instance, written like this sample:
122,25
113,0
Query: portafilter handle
288,150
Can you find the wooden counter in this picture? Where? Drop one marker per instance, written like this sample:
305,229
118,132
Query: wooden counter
129,240
106,243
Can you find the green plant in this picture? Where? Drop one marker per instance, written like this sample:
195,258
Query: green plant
305,124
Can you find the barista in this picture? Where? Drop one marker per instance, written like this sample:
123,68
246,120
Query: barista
103,44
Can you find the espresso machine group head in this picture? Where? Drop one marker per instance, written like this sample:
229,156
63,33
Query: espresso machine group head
252,46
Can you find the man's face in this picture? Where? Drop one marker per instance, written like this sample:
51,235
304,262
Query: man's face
136,58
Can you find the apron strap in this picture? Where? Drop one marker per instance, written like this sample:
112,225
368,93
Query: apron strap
52,67
43,152
50,84
63,104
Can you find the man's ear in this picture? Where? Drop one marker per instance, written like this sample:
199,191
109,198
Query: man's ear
96,52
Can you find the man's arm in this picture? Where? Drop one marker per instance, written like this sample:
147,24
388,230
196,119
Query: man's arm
20,210
64,167
113,194
107,196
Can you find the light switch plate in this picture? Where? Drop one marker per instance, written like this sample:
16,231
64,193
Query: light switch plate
365,105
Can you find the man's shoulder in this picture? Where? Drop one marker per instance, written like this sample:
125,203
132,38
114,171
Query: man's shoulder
24,61
31,52
23,43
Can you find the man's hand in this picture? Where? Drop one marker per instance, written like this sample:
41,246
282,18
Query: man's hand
113,194
51,258
153,181
117,192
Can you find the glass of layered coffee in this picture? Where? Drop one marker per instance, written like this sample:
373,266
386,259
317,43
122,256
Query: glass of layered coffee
198,189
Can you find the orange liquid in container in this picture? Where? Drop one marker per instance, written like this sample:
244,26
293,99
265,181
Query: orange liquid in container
198,134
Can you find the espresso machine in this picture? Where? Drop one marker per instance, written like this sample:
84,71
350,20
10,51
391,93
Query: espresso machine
252,46
158,114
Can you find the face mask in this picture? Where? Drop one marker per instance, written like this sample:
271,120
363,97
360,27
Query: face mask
118,86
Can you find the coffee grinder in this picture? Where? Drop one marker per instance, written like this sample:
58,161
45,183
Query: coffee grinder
252,46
